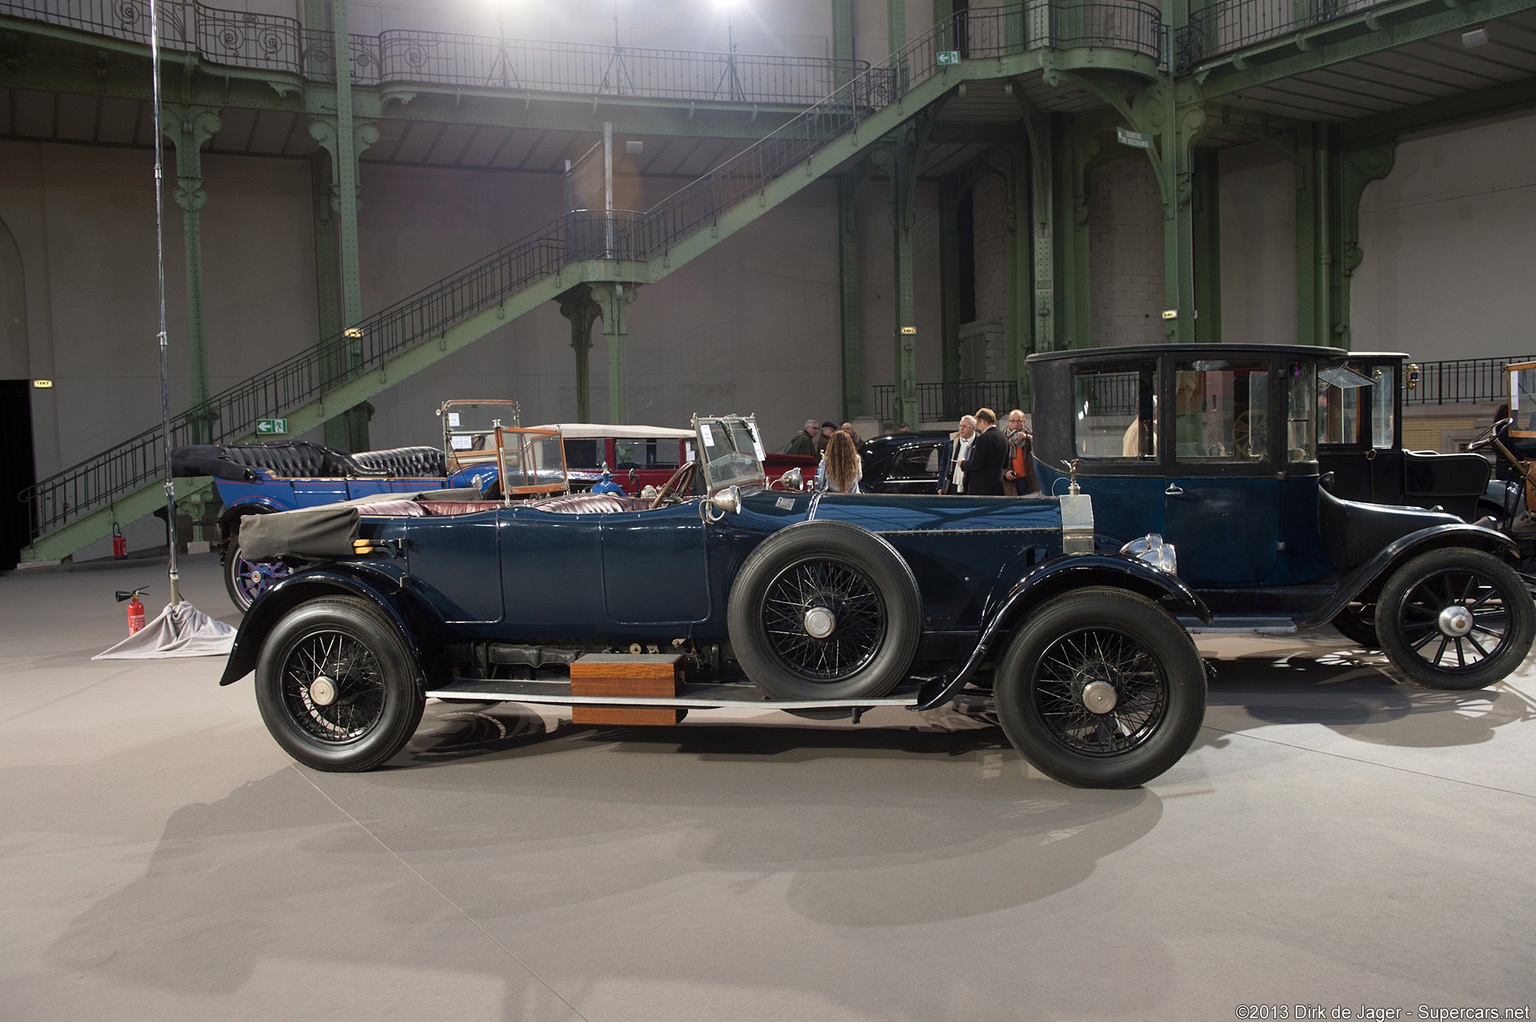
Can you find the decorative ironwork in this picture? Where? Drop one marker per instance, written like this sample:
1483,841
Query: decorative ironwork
946,402
1228,26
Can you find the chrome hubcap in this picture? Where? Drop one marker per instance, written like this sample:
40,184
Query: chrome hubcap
819,622
1099,696
322,691
1455,621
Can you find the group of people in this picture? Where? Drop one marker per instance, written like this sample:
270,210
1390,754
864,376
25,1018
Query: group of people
983,458
841,468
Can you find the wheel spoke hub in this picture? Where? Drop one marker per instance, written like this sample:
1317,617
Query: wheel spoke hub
1455,621
1099,696
322,691
820,622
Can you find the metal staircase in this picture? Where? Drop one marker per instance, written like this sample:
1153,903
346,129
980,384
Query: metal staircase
80,504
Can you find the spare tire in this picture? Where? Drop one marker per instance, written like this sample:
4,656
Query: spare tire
824,610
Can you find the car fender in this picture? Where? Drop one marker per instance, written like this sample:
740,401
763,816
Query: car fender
382,589
1054,577
249,506
1369,575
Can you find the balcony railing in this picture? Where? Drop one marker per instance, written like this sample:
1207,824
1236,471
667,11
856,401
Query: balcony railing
273,43
946,402
1462,381
1228,26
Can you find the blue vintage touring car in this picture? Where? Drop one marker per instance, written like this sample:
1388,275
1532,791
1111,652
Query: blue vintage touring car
721,591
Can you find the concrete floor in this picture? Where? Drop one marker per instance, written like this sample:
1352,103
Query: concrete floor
1334,840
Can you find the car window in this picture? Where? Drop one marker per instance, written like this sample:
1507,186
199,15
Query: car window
1115,411
1221,409
1384,386
916,461
645,453
584,454
1301,427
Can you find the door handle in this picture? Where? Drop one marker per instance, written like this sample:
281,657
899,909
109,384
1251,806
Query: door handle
1173,490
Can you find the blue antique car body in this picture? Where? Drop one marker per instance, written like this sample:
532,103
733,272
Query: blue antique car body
774,598
1216,448
265,477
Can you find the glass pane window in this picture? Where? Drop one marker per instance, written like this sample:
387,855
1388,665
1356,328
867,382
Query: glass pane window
1301,429
1221,410
1384,392
1115,411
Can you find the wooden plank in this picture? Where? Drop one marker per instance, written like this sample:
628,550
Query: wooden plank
629,715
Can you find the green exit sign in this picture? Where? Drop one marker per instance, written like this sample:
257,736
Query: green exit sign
270,427
949,56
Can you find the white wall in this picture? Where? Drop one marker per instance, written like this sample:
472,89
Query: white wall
1449,243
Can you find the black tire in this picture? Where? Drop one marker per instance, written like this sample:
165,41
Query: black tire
372,701
863,594
1357,623
245,579
1455,618
1150,687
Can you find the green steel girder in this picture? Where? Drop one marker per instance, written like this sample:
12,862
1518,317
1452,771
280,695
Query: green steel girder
1348,38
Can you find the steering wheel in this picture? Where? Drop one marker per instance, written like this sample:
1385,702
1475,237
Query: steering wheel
1250,435
1487,436
680,480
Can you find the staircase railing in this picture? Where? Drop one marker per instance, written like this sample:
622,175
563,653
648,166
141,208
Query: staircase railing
232,414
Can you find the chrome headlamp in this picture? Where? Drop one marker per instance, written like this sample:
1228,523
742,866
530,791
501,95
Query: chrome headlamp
1154,551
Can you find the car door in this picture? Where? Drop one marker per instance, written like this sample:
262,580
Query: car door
1222,452
655,566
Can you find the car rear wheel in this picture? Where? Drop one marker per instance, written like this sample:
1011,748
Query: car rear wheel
1101,688
824,610
1455,619
246,579
336,686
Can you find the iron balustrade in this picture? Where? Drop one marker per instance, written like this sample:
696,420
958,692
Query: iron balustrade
232,414
1228,26
946,402
1462,381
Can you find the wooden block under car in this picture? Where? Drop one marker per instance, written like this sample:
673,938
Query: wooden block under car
627,674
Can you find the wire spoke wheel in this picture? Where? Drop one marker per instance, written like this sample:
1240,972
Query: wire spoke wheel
1100,688
333,687
337,686
246,579
824,610
1081,659
1456,618
845,598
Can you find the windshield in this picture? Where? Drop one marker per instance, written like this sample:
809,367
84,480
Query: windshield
532,461
471,425
730,451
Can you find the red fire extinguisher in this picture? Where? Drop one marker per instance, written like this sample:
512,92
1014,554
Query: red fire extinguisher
135,608
119,544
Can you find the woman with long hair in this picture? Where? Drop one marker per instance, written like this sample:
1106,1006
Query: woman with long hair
840,469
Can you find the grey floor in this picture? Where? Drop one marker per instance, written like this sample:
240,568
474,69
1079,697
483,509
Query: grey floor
1334,840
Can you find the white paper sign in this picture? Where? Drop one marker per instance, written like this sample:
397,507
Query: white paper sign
709,437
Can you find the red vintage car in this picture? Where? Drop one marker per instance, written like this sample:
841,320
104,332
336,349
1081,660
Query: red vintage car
639,456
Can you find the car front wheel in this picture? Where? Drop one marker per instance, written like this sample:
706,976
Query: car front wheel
1455,619
1101,688
336,686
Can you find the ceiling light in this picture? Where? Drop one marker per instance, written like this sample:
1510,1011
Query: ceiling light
1474,36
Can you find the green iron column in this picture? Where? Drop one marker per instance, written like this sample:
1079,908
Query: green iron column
1012,163
188,128
1313,254
1207,247
953,192
1077,152
327,298
1176,123
1042,229
902,162
848,279
612,302
578,306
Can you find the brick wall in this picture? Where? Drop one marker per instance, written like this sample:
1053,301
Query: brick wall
1125,221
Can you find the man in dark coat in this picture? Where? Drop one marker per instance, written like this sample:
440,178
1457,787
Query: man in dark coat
983,468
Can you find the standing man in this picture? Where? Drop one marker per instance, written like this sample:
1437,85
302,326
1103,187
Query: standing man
951,480
1019,475
989,454
853,434
827,429
805,440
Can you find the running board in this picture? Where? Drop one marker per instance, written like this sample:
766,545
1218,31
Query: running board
691,697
